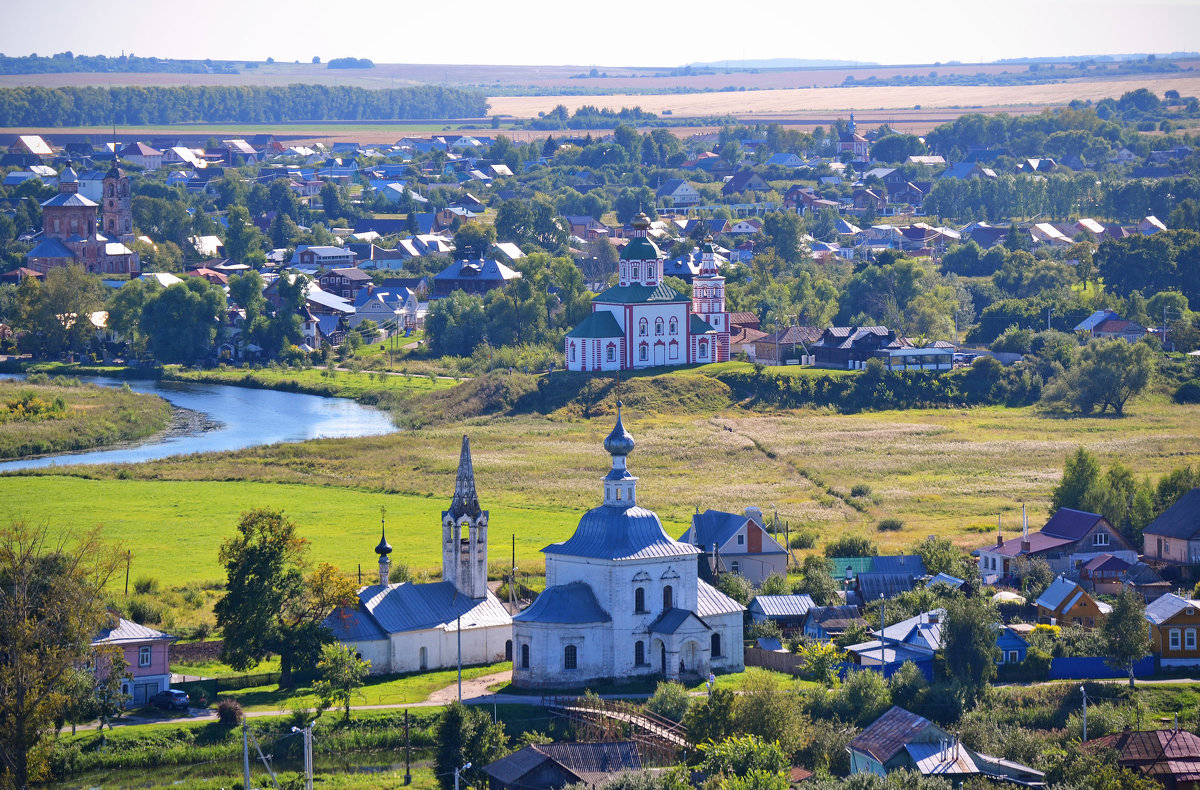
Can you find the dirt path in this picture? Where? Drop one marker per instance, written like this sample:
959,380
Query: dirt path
472,689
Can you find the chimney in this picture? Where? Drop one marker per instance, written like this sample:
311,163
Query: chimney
999,532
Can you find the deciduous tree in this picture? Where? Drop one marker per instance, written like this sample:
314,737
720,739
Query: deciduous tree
1124,632
342,672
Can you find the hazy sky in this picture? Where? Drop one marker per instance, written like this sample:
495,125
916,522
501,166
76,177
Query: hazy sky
615,33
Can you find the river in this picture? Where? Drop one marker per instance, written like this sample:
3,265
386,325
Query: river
238,417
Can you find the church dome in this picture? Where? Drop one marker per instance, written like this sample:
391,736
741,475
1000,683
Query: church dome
620,441
641,221
384,548
620,533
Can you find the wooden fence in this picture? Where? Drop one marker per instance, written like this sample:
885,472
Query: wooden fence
769,659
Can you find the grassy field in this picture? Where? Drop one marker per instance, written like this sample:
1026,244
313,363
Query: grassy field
39,419
942,471
319,381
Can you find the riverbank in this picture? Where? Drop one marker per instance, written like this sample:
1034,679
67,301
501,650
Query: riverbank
45,415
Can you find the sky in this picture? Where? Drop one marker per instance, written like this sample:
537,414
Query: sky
613,33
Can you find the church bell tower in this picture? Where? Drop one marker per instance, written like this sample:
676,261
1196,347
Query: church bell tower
464,533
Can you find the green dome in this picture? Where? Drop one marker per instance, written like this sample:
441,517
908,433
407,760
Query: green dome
640,248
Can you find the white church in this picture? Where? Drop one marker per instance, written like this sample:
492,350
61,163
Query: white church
406,627
623,599
641,322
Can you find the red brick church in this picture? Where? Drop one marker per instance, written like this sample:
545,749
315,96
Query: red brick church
72,234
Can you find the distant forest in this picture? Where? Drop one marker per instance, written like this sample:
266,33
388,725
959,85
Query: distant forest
134,106
69,62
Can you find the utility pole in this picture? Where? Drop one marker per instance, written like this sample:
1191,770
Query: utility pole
458,629
457,771
128,560
407,752
245,754
1084,693
882,636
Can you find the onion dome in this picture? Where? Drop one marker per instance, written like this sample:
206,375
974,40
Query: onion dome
620,441
641,221
384,548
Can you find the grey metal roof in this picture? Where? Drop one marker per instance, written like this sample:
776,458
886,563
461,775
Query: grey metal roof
713,526
51,248
620,533
1056,593
418,607
565,603
911,564
711,601
70,199
671,620
1070,523
900,631
128,631
351,625
591,763
889,585
1167,606
782,605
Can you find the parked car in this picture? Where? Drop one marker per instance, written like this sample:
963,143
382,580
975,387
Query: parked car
171,699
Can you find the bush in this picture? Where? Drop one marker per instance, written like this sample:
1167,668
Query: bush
851,546
144,611
804,539
670,700
890,525
860,490
145,585
229,712
1188,392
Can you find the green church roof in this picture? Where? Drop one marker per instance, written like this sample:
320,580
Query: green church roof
638,294
640,248
600,324
698,326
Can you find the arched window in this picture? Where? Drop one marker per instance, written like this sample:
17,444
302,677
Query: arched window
703,349
643,352
658,327
639,600
716,646
524,656
508,650
636,272
643,328
639,653
735,566
572,352
674,326
570,657
612,353
668,597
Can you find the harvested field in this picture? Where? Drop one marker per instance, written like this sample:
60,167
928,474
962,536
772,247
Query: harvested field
788,102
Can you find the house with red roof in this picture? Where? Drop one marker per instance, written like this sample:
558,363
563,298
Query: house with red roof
1170,757
1068,541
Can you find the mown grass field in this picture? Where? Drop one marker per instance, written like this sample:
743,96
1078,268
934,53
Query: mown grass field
39,419
339,383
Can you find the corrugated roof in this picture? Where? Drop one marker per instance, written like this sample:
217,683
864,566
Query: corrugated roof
128,631
590,763
671,620
600,324
73,199
1070,524
638,294
565,603
698,326
417,607
620,533
1181,520
350,625
711,601
713,526
890,733
782,605
1167,606
934,760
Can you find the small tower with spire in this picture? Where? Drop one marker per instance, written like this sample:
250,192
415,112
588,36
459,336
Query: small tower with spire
383,550
464,533
620,487
708,298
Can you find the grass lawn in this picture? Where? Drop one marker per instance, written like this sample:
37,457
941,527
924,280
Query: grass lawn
386,690
345,384
642,686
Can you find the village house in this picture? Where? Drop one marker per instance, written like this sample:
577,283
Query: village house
1068,541
1169,757
142,155
826,623
902,740
408,627
345,281
787,611
474,277
1065,602
552,766
324,257
745,181
679,192
1174,622
1172,541
740,540
146,652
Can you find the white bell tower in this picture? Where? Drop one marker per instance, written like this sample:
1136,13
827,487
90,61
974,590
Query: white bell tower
464,533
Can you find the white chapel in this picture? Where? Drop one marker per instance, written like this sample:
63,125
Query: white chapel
623,599
406,627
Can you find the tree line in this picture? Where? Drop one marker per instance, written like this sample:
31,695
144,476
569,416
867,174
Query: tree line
140,105
70,62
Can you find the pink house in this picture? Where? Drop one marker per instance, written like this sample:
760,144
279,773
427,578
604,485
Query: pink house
146,656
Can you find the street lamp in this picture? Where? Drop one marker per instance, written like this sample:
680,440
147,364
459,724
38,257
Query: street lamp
457,771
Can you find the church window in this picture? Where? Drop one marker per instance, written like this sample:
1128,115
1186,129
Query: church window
508,650
570,657
572,352
674,353
110,190
643,352
524,656
668,597
639,601
703,350
674,326
658,327
636,271
612,354
639,653
716,645
643,328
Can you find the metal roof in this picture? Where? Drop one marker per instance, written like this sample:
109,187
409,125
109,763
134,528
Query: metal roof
672,620
890,733
620,533
1070,524
1181,520
941,758
1057,593
402,607
639,294
565,603
128,631
1163,608
590,763
782,605
713,526
711,601
600,324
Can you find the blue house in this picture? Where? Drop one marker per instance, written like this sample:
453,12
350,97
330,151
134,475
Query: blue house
1013,646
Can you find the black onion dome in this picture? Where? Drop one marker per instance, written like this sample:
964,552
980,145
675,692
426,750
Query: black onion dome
384,548
620,441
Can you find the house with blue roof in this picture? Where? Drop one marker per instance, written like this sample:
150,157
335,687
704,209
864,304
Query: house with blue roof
623,599
738,542
407,627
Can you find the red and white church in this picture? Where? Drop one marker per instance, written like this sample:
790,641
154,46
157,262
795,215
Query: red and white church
641,323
